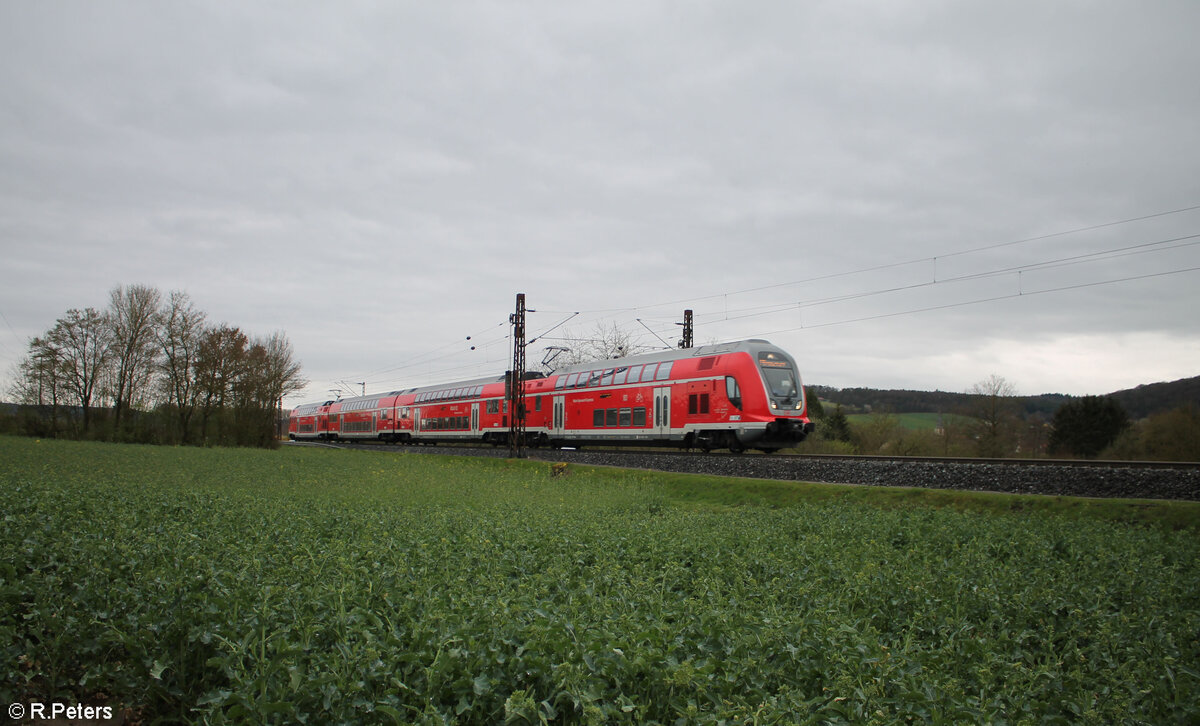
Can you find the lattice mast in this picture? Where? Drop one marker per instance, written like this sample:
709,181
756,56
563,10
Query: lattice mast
515,383
687,329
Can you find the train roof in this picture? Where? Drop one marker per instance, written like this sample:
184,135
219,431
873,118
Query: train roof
752,345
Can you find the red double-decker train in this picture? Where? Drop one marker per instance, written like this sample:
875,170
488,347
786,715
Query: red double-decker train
737,396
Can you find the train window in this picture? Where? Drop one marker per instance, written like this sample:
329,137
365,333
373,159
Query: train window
598,417
626,417
610,417
608,378
634,374
639,416
594,378
537,403
664,372
619,376
648,372
698,403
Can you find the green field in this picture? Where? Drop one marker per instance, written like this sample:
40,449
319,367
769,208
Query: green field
362,587
912,421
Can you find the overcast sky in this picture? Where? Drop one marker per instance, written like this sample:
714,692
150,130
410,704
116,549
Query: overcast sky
901,194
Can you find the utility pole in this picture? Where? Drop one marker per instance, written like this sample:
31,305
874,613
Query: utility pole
687,329
516,383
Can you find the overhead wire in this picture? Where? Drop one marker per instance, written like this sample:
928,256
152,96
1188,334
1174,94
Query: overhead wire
995,298
902,263
727,314
1104,255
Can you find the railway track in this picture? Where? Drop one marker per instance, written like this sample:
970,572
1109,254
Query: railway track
1105,479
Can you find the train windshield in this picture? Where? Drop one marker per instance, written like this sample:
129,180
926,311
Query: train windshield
780,377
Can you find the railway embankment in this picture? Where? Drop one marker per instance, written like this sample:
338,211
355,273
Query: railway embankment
1133,481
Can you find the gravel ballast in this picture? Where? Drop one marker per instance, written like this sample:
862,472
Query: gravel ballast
1132,482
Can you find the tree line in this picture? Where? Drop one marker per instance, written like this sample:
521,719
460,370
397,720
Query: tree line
152,368
992,421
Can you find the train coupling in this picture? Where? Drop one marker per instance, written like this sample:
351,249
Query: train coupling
789,429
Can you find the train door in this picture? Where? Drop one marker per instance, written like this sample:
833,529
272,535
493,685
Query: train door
475,418
662,410
559,418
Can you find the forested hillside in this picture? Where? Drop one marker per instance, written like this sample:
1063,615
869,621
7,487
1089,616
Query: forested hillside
1138,402
1158,397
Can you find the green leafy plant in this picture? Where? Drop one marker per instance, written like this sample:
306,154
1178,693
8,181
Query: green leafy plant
318,586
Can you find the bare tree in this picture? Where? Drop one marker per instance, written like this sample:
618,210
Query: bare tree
282,370
80,344
133,317
994,408
179,335
219,360
603,343
38,381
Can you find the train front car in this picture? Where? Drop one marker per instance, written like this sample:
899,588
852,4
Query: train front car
782,408
742,395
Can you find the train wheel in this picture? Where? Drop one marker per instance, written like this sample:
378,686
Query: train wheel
732,443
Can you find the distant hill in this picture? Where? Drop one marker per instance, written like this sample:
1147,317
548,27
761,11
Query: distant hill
1153,398
1138,402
